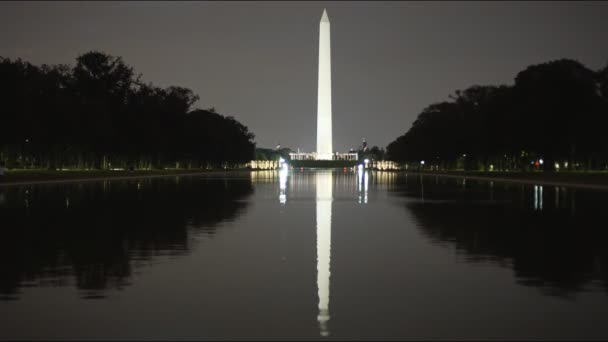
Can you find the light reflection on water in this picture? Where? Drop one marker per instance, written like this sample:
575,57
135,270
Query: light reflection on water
324,193
283,175
403,247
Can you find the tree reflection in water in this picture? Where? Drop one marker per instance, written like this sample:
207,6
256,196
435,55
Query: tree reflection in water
98,233
552,237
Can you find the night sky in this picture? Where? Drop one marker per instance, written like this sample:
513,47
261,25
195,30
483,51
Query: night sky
257,61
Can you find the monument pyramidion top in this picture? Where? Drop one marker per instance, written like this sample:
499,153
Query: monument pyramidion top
324,18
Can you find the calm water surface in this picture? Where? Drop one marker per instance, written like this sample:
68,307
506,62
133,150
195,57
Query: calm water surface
303,255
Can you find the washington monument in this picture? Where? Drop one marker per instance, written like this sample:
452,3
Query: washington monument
324,137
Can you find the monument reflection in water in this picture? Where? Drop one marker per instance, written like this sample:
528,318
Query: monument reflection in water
324,183
324,198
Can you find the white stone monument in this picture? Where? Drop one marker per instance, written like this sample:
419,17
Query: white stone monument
324,136
324,121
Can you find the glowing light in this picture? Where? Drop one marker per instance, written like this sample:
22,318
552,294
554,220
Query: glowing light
283,174
360,183
324,199
541,161
324,120
366,161
422,162
366,182
283,179
538,197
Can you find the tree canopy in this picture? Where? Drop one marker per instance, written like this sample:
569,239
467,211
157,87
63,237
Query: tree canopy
99,114
555,113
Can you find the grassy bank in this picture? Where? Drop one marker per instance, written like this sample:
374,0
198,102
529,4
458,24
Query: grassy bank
583,179
592,180
14,177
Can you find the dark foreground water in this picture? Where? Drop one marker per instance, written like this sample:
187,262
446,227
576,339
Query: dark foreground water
303,255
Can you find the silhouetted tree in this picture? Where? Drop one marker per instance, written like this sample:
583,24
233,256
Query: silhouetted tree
98,114
555,112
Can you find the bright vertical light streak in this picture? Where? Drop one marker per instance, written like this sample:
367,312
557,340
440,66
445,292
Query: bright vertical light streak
366,182
324,116
360,181
540,197
324,184
283,174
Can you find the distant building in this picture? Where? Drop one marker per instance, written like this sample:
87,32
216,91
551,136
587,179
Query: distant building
313,156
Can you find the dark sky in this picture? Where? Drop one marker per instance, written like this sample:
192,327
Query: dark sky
257,61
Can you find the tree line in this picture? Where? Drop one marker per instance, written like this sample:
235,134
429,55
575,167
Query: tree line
553,117
98,114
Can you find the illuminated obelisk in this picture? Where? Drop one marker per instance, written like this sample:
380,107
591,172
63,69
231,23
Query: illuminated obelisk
324,184
324,138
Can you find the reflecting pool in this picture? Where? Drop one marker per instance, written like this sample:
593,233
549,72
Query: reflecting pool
326,254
